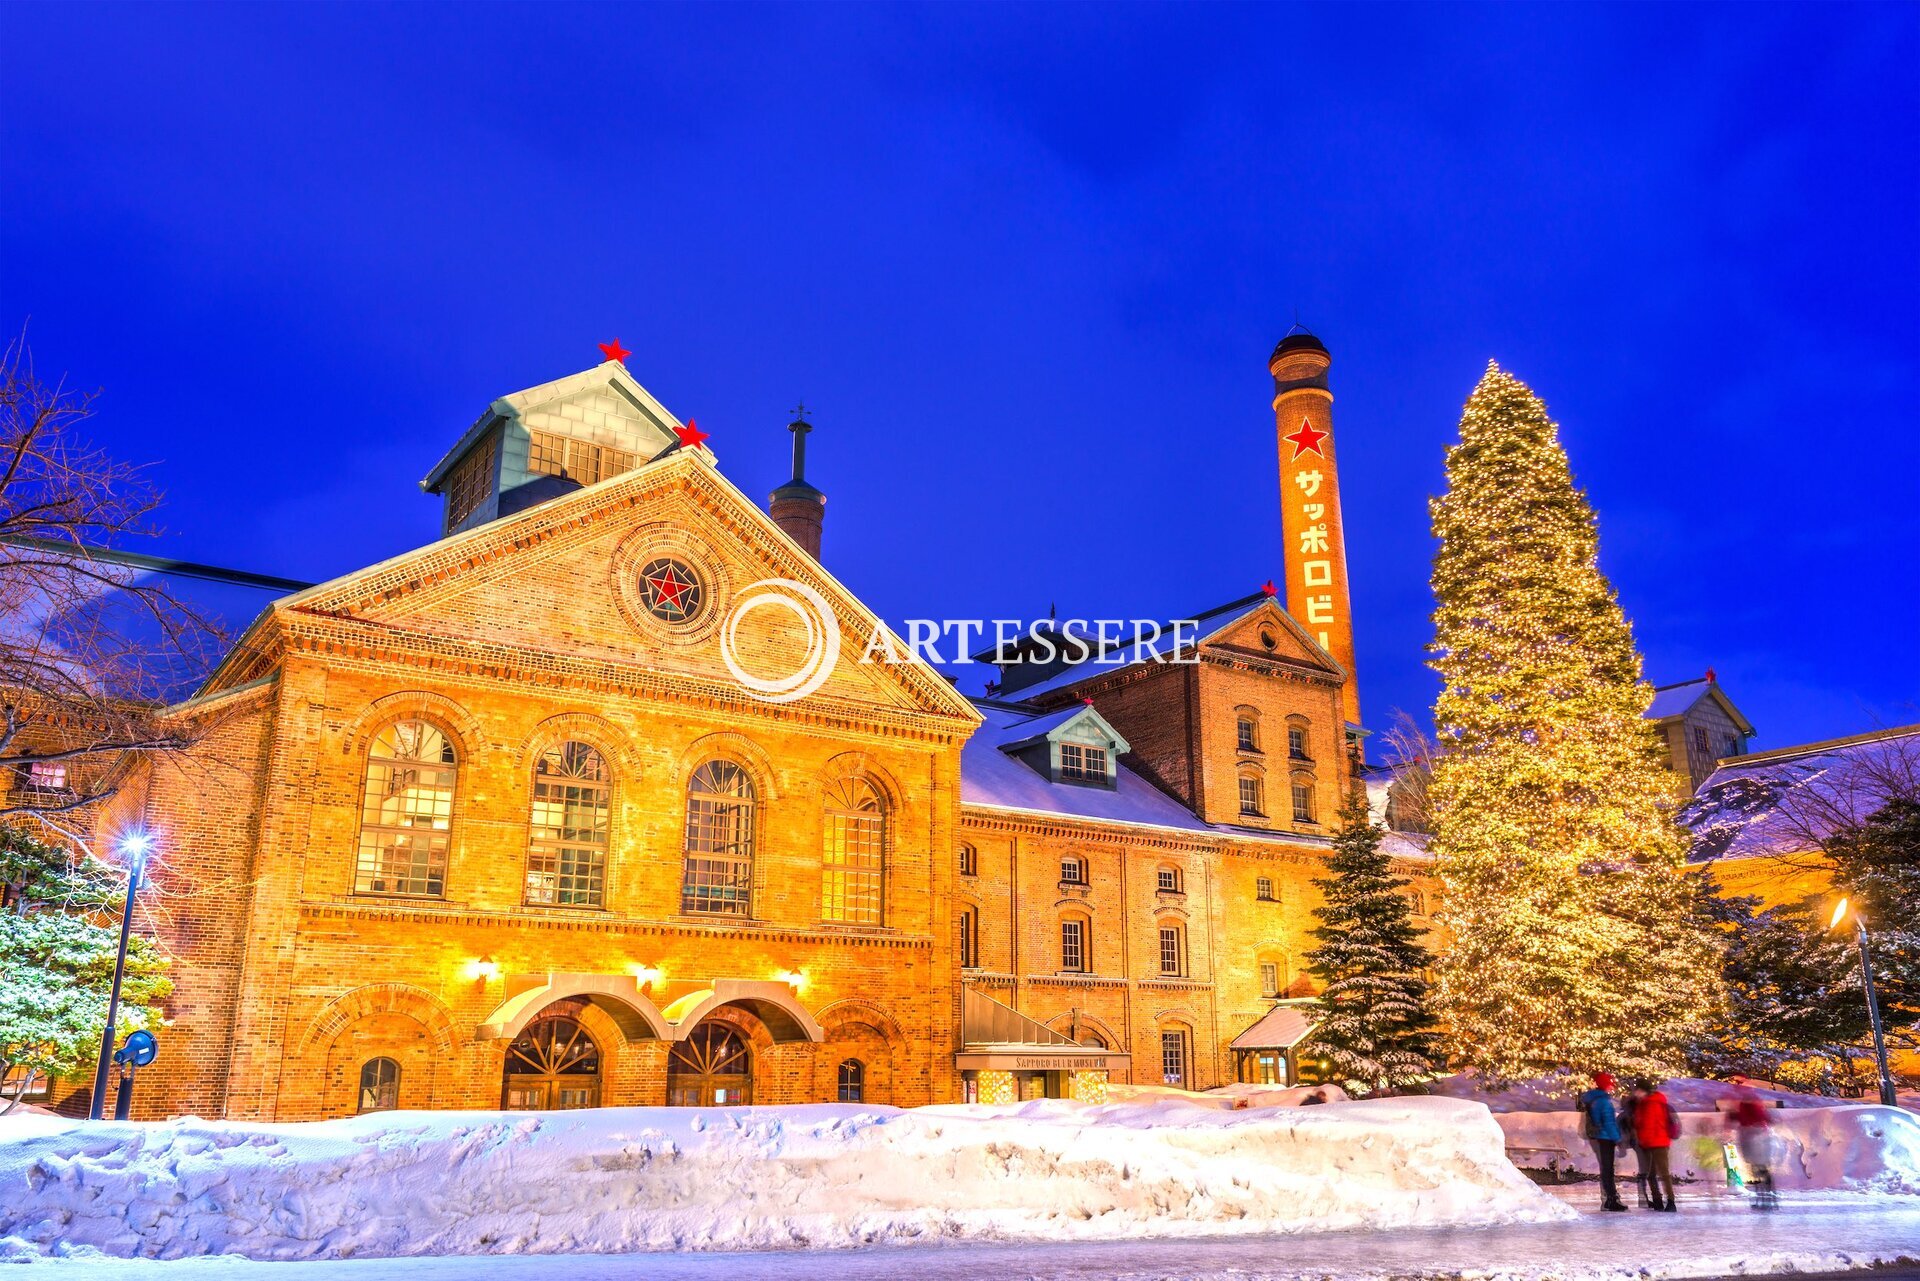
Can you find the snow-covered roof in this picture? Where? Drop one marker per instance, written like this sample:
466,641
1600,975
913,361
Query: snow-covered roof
1745,810
1281,1028
988,776
1677,700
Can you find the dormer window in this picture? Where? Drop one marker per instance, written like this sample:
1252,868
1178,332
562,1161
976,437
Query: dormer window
1083,763
549,454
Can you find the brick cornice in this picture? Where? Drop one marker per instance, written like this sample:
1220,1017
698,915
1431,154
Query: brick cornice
423,913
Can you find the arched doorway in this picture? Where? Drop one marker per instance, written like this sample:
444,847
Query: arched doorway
552,1065
713,1067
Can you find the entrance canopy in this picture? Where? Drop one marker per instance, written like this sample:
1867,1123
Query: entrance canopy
998,1037
636,1014
1281,1028
772,1003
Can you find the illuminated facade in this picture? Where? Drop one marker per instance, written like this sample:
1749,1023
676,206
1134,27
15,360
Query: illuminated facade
494,822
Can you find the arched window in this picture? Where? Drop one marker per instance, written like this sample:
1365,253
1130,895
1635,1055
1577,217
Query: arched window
1093,1040
1076,944
1253,794
408,814
969,938
379,1085
1246,728
969,861
854,862
1303,798
1173,948
567,851
853,1081
1298,744
718,875
552,1065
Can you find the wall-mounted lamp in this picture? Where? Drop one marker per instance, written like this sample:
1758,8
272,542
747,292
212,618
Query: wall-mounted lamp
486,969
795,979
646,975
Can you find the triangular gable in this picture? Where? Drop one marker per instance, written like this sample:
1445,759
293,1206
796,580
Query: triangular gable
1292,641
1074,725
546,580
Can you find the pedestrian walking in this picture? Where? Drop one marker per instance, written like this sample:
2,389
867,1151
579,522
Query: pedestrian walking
1630,1142
1655,1126
1753,1135
1600,1127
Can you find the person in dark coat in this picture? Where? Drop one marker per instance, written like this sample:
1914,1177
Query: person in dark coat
1600,1126
1655,1126
1629,1142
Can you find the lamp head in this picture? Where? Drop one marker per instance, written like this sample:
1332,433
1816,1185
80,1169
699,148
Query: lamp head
136,845
1839,913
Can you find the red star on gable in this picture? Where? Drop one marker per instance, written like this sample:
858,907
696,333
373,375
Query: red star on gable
1306,440
669,585
614,351
1268,589
690,435
1087,701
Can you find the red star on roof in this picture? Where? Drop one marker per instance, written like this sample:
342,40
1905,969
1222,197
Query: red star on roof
690,435
614,351
1268,589
1306,440
1087,701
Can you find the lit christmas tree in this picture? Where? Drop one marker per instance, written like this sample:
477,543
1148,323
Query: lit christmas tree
1575,939
1375,1030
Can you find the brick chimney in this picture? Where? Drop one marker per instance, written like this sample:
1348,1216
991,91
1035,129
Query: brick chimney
797,507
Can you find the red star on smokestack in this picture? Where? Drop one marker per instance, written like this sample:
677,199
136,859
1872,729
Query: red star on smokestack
1306,440
690,435
614,351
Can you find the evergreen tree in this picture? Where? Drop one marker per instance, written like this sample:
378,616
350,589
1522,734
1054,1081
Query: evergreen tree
1876,863
1574,939
1375,1028
59,933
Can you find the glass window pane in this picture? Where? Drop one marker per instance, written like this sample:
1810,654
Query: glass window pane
718,874
407,812
853,864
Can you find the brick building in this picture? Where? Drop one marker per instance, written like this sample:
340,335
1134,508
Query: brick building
496,822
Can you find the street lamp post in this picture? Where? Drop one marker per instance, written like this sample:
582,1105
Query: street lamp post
1873,1002
135,846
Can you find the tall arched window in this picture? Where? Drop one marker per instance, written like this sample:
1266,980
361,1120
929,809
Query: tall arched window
854,860
1076,945
853,1081
567,849
1302,787
1173,948
1253,794
408,813
379,1085
718,875
1246,724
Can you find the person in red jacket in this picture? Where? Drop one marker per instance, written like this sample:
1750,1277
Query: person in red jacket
1656,1125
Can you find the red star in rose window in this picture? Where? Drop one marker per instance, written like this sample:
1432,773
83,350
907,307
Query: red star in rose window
690,435
614,351
668,585
1306,440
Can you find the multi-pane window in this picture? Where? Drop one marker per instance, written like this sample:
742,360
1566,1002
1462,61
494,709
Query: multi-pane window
718,875
471,482
853,1081
408,814
1073,945
1701,747
1732,744
969,938
1167,880
1297,742
1263,888
44,776
584,461
1249,742
1079,761
854,862
969,861
1173,950
1073,871
1173,1056
1269,978
1302,802
379,1085
1252,798
567,855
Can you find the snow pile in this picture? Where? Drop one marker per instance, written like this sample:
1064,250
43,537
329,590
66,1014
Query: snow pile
617,1179
1228,1096
1854,1149
1557,1093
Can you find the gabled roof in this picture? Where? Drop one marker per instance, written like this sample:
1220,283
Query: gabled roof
1744,809
611,376
989,776
1209,625
1054,726
1670,701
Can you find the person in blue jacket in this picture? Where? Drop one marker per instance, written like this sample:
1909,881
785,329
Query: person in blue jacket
1600,1127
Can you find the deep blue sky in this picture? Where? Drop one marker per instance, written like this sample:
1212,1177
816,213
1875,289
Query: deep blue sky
1026,264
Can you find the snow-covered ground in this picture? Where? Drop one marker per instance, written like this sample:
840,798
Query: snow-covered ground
625,1179
1708,1238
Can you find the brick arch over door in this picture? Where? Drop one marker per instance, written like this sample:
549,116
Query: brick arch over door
868,1035
380,1020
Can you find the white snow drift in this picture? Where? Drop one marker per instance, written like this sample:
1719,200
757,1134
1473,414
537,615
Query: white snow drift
618,1179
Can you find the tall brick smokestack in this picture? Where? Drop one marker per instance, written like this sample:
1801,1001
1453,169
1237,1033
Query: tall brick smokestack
797,507
1310,502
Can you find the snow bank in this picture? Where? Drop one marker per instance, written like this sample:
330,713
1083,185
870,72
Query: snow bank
1556,1094
1854,1149
1228,1096
618,1179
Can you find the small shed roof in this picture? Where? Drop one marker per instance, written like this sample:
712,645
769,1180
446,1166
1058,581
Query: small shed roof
1281,1028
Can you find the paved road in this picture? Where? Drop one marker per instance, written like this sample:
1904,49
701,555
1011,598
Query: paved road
1704,1240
